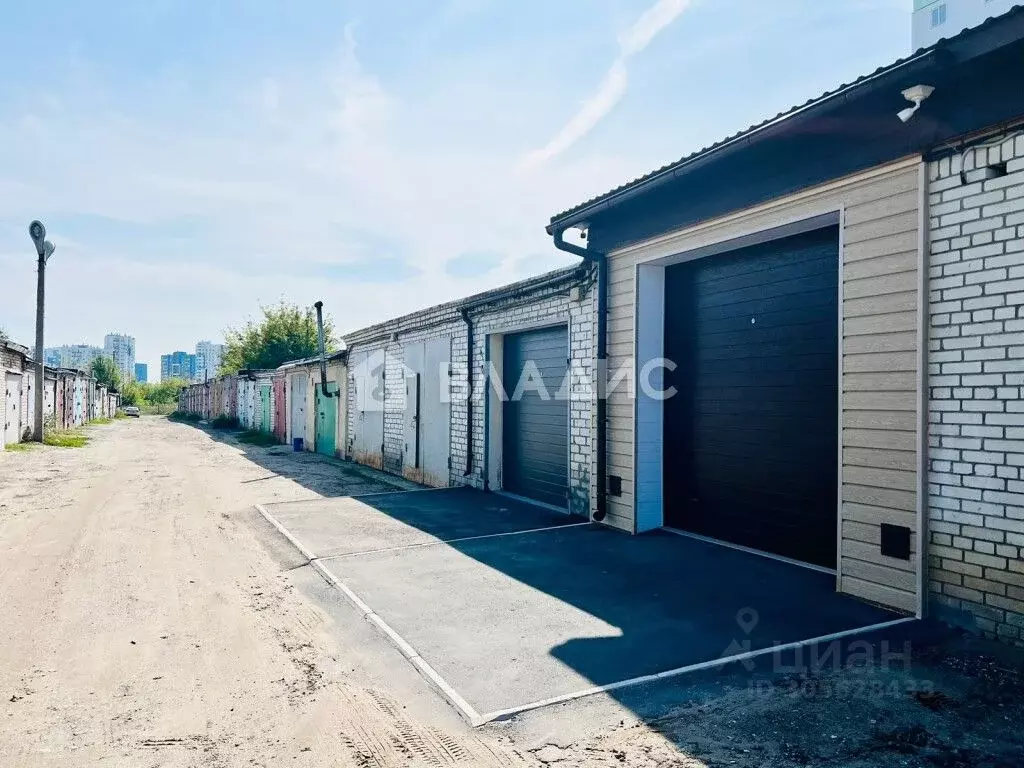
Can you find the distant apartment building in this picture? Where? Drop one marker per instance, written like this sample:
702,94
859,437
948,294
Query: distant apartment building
935,19
208,358
141,373
121,349
178,365
78,356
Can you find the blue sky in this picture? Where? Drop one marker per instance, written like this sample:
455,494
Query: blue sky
192,159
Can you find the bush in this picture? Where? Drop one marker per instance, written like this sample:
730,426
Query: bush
188,418
225,422
256,438
69,438
161,409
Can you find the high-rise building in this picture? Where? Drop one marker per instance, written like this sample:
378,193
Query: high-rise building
141,373
121,349
208,357
935,19
178,365
71,356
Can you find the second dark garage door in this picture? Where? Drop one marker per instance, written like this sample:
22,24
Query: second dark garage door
751,437
535,429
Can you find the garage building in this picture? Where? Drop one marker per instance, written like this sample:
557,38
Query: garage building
788,274
526,353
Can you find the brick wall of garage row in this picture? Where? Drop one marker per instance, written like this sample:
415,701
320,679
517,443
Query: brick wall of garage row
542,307
880,417
976,376
579,316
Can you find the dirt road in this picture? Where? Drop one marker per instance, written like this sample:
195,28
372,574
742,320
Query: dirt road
148,620
144,623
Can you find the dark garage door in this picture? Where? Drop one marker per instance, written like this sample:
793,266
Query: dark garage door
535,430
751,438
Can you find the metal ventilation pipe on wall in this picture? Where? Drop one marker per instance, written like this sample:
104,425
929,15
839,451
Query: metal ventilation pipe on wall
322,347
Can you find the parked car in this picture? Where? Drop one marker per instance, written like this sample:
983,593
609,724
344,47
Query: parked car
132,410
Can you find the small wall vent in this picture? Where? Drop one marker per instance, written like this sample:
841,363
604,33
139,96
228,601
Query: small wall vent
896,541
614,485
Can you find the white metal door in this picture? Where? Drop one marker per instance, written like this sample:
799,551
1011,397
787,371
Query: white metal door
435,412
12,416
298,407
367,372
412,455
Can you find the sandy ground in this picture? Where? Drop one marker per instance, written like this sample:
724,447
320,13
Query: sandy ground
150,618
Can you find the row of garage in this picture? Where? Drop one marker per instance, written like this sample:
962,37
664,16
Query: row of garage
71,398
803,341
491,391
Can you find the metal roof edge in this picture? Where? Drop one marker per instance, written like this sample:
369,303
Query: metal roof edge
477,299
18,348
599,203
312,360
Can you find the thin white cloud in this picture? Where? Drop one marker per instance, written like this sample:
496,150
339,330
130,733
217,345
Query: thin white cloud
302,169
650,23
612,88
362,101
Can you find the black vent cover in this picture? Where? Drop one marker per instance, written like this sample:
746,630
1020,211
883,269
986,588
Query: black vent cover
896,541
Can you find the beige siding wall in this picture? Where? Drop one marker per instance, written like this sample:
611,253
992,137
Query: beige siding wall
880,477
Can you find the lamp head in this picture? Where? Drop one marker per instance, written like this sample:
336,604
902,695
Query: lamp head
37,232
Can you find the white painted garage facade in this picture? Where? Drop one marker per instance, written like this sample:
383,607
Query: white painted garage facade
409,379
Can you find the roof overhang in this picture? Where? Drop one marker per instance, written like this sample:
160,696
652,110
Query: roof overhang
16,348
872,100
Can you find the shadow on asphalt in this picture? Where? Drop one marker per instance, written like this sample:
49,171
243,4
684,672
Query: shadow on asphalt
669,601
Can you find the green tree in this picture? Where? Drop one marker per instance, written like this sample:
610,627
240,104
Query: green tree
106,373
166,391
134,393
286,332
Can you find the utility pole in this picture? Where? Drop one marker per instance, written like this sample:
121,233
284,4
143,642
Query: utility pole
44,249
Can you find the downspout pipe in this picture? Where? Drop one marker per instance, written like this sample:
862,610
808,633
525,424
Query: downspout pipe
464,312
601,260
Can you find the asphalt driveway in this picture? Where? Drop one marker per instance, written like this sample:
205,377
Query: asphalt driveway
508,605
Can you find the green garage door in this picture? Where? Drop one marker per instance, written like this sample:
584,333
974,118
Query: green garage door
265,409
326,419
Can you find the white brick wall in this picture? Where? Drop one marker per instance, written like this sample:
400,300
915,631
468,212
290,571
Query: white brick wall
580,317
976,376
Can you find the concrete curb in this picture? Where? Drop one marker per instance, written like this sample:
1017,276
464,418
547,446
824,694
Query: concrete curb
467,711
464,708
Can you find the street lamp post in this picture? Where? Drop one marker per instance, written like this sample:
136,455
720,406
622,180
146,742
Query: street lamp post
44,249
